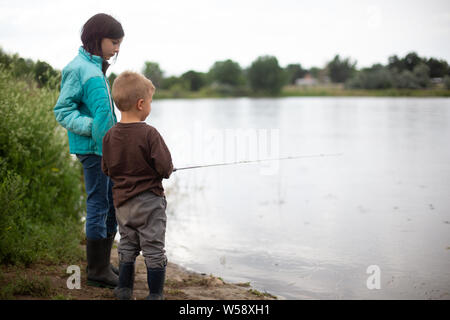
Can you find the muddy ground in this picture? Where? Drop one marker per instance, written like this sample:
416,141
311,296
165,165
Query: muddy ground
50,282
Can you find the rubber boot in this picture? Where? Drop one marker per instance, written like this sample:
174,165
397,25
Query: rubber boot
155,280
126,281
99,268
110,244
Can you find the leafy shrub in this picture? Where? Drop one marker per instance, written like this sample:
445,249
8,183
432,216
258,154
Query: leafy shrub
41,192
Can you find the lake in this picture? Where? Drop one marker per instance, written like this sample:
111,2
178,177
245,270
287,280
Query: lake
370,223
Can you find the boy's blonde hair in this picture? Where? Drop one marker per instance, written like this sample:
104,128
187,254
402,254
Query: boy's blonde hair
129,87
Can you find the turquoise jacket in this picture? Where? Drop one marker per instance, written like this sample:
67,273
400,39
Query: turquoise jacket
85,106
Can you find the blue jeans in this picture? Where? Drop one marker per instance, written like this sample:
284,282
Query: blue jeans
100,213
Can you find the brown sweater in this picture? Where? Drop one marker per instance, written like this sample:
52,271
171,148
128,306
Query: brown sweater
136,158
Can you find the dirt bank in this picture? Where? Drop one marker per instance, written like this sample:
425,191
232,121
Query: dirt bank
50,282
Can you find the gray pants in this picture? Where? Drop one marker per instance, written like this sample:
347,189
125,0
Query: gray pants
142,226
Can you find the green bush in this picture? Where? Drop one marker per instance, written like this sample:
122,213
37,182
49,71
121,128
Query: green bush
376,77
41,191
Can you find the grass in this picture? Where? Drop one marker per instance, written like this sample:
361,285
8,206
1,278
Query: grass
261,294
243,284
337,91
61,297
23,286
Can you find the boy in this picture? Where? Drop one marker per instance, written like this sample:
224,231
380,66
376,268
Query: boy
136,158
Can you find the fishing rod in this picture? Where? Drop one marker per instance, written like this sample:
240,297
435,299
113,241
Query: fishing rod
253,161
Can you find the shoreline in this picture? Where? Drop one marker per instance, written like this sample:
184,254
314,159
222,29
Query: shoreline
49,282
311,92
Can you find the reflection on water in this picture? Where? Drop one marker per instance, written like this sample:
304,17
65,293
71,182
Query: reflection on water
310,228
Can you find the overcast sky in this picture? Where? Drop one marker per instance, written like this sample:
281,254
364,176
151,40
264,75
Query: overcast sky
186,35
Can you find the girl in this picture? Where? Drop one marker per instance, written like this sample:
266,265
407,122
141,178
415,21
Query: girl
85,108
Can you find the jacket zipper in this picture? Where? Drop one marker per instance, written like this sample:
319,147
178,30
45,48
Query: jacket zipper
110,104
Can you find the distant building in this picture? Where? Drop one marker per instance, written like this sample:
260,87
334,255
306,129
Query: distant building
307,81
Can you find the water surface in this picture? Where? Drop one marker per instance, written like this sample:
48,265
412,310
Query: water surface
310,228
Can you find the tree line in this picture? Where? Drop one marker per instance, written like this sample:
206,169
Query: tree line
411,72
265,76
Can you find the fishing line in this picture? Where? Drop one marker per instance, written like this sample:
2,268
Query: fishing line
262,160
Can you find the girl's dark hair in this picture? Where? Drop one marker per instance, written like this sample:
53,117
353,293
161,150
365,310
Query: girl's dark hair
95,29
